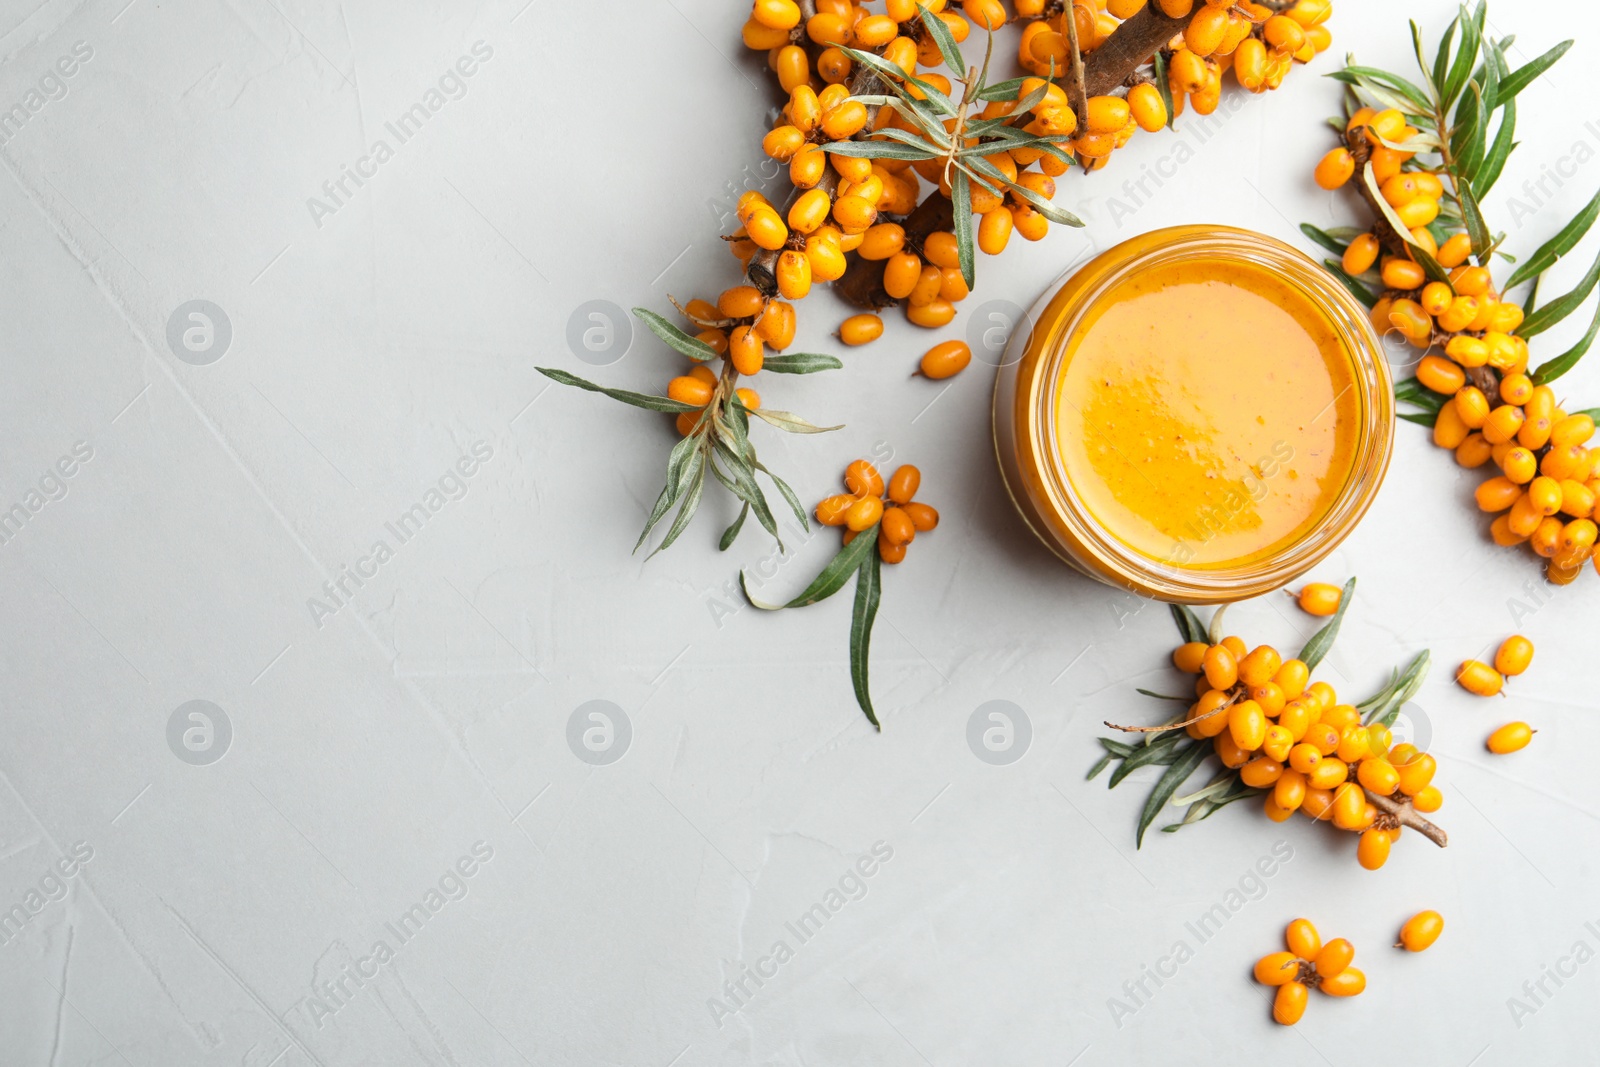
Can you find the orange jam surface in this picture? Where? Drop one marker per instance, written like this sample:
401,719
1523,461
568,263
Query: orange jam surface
1207,412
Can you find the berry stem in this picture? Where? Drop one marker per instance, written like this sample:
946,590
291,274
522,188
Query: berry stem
1408,816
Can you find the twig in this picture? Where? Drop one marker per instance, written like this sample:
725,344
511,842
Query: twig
1129,47
1077,94
1408,816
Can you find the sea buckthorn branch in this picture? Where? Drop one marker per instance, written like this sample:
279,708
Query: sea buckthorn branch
1281,736
873,515
1423,155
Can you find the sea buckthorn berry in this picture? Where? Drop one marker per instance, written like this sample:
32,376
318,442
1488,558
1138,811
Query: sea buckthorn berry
809,210
1472,406
1331,771
807,167
1421,931
1147,107
1259,666
1372,851
687,421
1318,803
945,359
1497,494
749,398
687,390
1518,464
988,14
1277,743
828,29
825,256
1524,517
1401,189
1479,679
1417,773
1435,298
1276,968
883,241
1352,744
1379,776
1511,737
890,553
1516,389
1334,169
740,302
1360,254
1572,430
1470,281
1271,699
875,31
905,482
845,120
1455,251
1229,751
1304,758
1319,598
1564,462
1513,656
1289,1002
897,527
794,275
940,249
1459,315
1292,676
860,329
1122,9
901,274
932,315
1296,717
994,231
762,38
1546,538
1502,424
952,286
1340,716
1474,451
1302,939
1190,656
1287,35
1260,772
1419,212
831,512
1247,725
1289,791
746,350
1334,958
854,214
1236,645
1467,351
863,479
1324,695
1220,667
777,14
864,513
923,516
1545,494
782,143
1428,800
1402,274
1577,499
1349,982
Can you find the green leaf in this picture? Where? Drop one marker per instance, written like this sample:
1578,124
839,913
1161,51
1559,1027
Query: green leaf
691,503
787,493
833,577
1402,689
1441,59
1419,419
1520,78
1120,749
1359,291
678,475
1099,765
881,150
1040,204
869,588
789,422
1164,88
1190,628
1495,161
1466,56
638,400
1558,246
961,214
1163,696
947,44
733,529
1323,238
692,347
1321,642
1477,228
1408,89
1148,756
1006,90
743,484
1562,306
1168,784
1550,370
800,363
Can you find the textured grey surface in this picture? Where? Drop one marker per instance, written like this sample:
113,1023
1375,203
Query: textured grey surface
407,743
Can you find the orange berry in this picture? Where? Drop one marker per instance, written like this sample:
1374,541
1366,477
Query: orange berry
945,359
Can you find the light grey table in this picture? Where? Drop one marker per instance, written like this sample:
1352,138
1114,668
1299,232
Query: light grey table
393,727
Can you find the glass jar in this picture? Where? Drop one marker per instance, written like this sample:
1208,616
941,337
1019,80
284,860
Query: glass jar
1049,489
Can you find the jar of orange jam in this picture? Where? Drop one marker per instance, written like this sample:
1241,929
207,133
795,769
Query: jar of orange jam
1199,415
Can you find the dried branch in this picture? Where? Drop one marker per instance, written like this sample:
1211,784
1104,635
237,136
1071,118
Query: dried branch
1406,815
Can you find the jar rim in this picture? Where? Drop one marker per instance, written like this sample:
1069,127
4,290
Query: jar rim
1369,373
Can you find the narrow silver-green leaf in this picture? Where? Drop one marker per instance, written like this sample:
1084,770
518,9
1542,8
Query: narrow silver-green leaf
1168,784
692,347
732,532
1553,312
1190,628
943,39
1477,228
638,400
1323,238
789,422
800,363
1550,370
787,493
1321,642
833,577
745,488
1359,291
1558,246
678,475
686,510
880,150
1520,78
961,217
869,589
